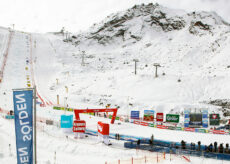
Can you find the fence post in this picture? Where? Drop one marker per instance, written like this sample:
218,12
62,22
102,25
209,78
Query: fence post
164,154
157,157
55,157
132,160
118,161
170,155
145,159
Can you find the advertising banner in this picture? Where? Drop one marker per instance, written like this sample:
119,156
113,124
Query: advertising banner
135,114
178,128
200,130
23,110
151,125
205,118
218,132
189,129
172,118
136,122
162,127
103,128
186,118
214,119
66,121
171,128
144,123
79,126
149,115
195,119
160,117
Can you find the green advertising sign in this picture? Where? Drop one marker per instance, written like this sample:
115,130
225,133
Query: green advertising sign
202,130
179,128
172,118
117,118
151,125
214,119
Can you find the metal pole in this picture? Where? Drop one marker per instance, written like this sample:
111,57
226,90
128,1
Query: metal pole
156,72
135,67
57,99
35,133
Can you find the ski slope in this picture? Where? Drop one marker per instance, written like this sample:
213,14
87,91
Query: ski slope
106,76
51,139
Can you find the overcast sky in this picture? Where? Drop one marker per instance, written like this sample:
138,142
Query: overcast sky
75,15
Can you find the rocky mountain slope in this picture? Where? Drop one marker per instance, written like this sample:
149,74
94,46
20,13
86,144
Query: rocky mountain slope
192,49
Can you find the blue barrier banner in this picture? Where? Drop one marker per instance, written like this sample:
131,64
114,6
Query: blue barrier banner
23,114
186,118
205,118
66,121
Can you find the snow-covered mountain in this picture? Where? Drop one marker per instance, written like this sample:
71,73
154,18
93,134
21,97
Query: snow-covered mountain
143,21
97,66
192,49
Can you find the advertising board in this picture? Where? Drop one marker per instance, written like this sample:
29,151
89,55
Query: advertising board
103,128
135,114
195,119
79,126
160,117
172,118
149,115
186,118
214,119
205,118
23,109
66,121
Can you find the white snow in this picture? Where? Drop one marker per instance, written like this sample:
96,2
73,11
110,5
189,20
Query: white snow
107,77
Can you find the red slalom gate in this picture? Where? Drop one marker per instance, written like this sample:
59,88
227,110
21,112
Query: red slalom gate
78,111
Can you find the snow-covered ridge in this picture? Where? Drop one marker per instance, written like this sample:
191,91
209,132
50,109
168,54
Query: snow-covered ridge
140,20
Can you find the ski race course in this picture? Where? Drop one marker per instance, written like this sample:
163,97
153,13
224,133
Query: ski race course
30,59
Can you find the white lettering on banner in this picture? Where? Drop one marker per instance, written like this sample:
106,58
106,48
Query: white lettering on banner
21,106
99,127
20,97
23,153
171,118
79,128
23,115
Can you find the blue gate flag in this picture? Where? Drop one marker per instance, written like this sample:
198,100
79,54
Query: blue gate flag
23,111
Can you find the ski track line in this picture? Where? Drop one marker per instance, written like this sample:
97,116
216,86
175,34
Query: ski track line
44,102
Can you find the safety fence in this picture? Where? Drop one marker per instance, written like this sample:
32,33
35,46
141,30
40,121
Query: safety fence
153,158
160,146
5,56
164,146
